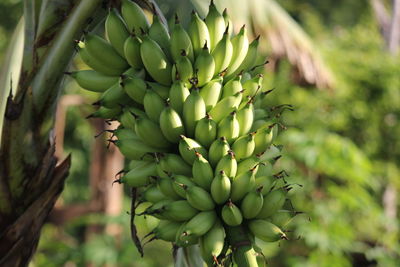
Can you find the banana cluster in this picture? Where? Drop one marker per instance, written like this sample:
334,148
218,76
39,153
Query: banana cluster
194,125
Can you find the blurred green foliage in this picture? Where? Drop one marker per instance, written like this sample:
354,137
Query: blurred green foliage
341,145
332,13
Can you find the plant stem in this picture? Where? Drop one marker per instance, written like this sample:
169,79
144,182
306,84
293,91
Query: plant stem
243,252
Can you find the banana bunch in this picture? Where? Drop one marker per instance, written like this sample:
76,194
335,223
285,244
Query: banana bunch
195,125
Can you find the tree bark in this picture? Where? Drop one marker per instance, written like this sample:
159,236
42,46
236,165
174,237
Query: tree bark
394,39
382,17
389,24
31,176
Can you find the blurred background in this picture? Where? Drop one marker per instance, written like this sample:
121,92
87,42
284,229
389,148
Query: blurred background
337,63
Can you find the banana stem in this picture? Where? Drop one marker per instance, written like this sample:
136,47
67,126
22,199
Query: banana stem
243,252
188,257
59,54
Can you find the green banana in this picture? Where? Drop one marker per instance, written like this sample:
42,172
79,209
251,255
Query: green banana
242,184
245,256
165,186
132,51
212,242
231,214
252,86
106,113
245,117
152,194
134,87
161,90
124,133
159,33
153,105
246,77
263,99
260,114
244,146
240,45
150,222
156,209
173,163
220,188
252,162
135,149
228,22
266,231
116,31
227,164
198,33
265,169
180,40
252,203
95,63
218,149
177,96
202,172
283,217
222,53
200,223
138,177
194,109
150,133
136,164
273,201
226,106
199,198
166,230
180,180
182,239
211,92
204,66
232,87
215,24
250,59
265,182
140,73
259,124
179,211
171,124
186,148
127,118
160,170
114,96
155,61
134,17
100,49
92,80
229,128
263,139
206,131
183,69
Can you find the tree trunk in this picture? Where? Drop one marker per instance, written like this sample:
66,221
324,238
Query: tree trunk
394,40
389,24
31,177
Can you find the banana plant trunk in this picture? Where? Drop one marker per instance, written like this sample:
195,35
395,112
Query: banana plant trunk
31,177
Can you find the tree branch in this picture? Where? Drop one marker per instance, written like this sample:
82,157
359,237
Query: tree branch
383,18
394,39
